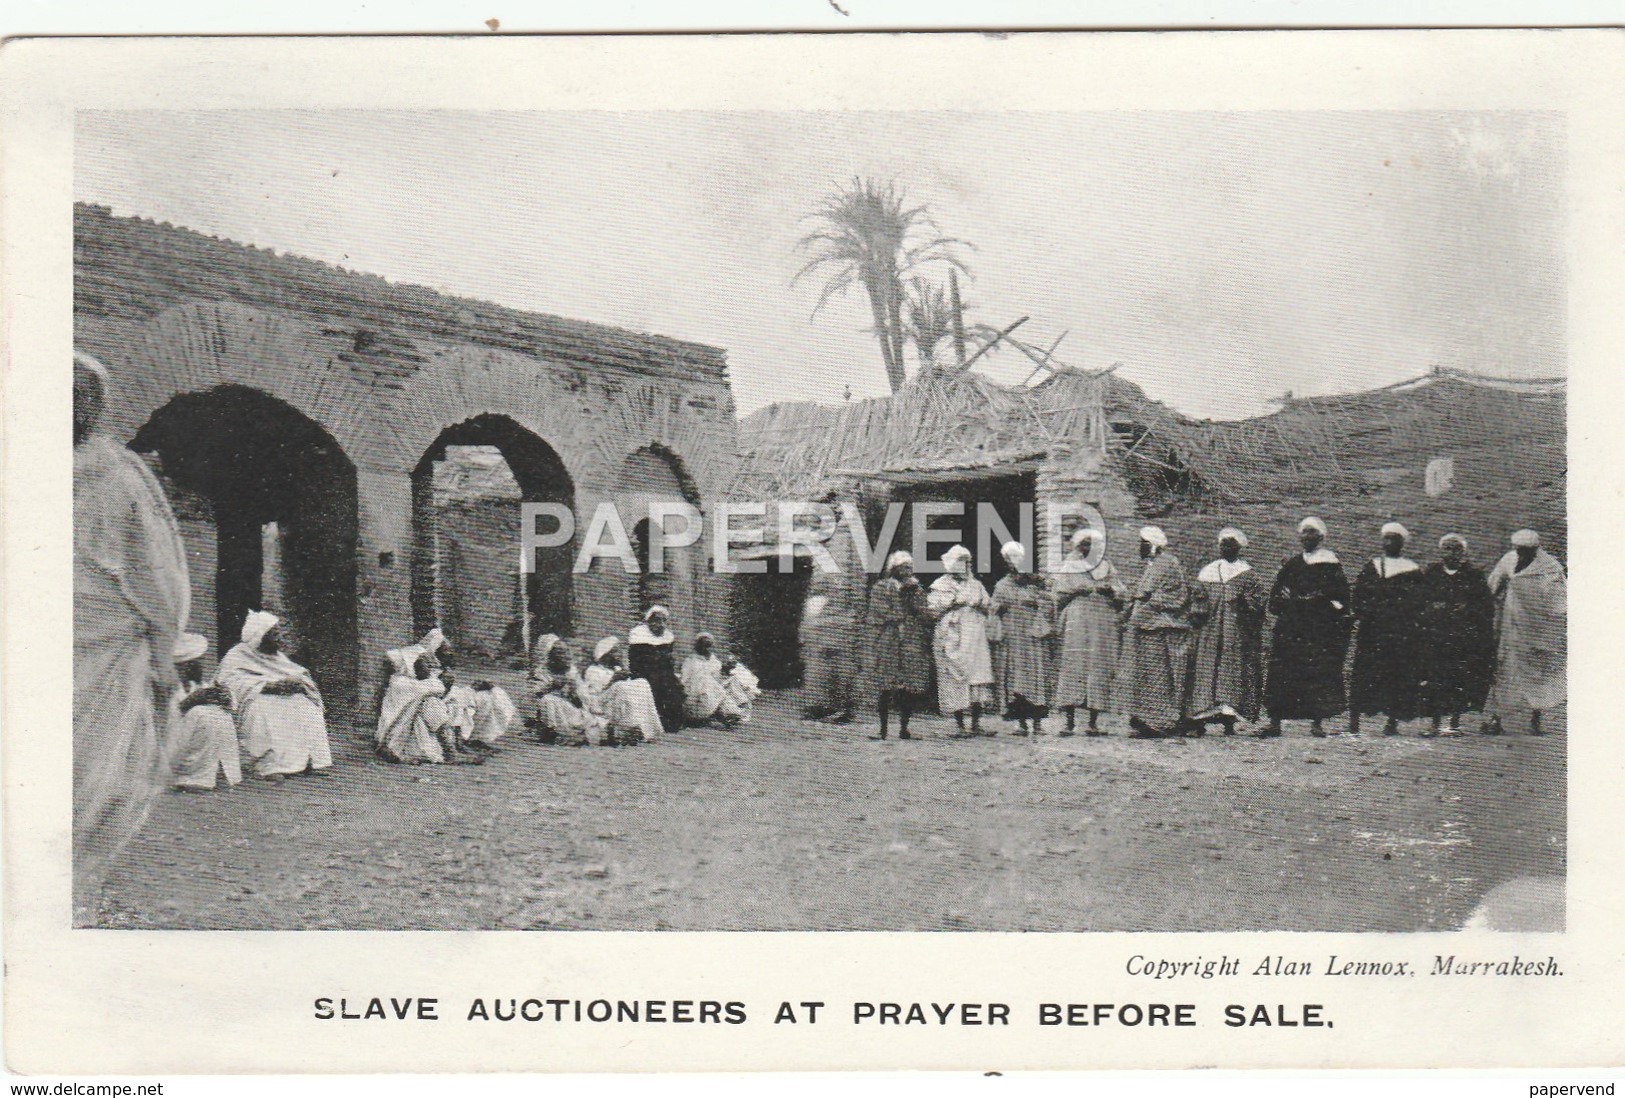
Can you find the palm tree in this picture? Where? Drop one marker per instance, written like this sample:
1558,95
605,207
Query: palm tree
867,236
930,318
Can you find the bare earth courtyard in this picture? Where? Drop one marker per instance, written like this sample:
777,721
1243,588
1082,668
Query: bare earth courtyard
795,825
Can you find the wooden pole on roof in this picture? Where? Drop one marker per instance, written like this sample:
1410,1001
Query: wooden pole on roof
959,317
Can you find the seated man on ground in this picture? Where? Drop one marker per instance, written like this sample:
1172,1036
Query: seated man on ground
706,694
561,697
414,721
280,717
741,686
481,711
203,742
624,706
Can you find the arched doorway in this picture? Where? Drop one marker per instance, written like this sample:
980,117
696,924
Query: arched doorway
466,497
267,500
649,475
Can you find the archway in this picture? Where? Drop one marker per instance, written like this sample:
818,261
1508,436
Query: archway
466,496
653,474
267,501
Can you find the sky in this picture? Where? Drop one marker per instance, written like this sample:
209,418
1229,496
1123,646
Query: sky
1220,260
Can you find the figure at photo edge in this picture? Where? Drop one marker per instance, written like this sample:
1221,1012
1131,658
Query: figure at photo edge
1023,623
964,663
1154,680
1459,648
899,620
1310,601
1531,625
1386,601
1089,603
130,602
1227,612
650,656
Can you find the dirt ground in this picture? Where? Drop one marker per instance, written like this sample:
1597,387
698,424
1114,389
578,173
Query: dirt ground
795,825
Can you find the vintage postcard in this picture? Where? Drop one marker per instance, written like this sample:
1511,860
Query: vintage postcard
1038,551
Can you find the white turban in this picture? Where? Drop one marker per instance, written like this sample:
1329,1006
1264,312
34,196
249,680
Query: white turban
1080,533
397,660
83,361
433,641
898,557
605,647
1233,534
1013,552
653,610
189,647
957,553
1453,539
256,625
1526,539
1312,523
545,644
1395,528
1154,535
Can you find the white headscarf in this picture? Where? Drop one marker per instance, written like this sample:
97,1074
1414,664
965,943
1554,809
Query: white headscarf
1154,535
657,609
256,625
190,646
1455,539
604,647
899,557
1526,539
1013,553
433,641
1395,528
1233,534
1080,533
952,557
1312,523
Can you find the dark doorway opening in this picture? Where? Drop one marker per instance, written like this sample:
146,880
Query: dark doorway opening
993,506
466,540
767,621
281,509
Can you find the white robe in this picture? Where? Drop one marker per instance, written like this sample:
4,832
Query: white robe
742,688
203,744
284,734
703,695
412,712
624,706
964,661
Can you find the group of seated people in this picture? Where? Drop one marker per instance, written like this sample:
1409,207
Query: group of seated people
621,703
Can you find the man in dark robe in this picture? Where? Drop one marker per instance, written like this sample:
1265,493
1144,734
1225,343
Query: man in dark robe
1388,654
1458,623
1310,602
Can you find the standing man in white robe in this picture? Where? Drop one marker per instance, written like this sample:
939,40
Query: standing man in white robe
280,716
130,601
1531,629
961,605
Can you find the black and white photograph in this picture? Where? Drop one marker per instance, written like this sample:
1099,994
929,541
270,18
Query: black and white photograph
1130,528
1296,663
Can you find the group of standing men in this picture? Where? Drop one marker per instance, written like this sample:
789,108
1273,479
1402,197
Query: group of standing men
1175,656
